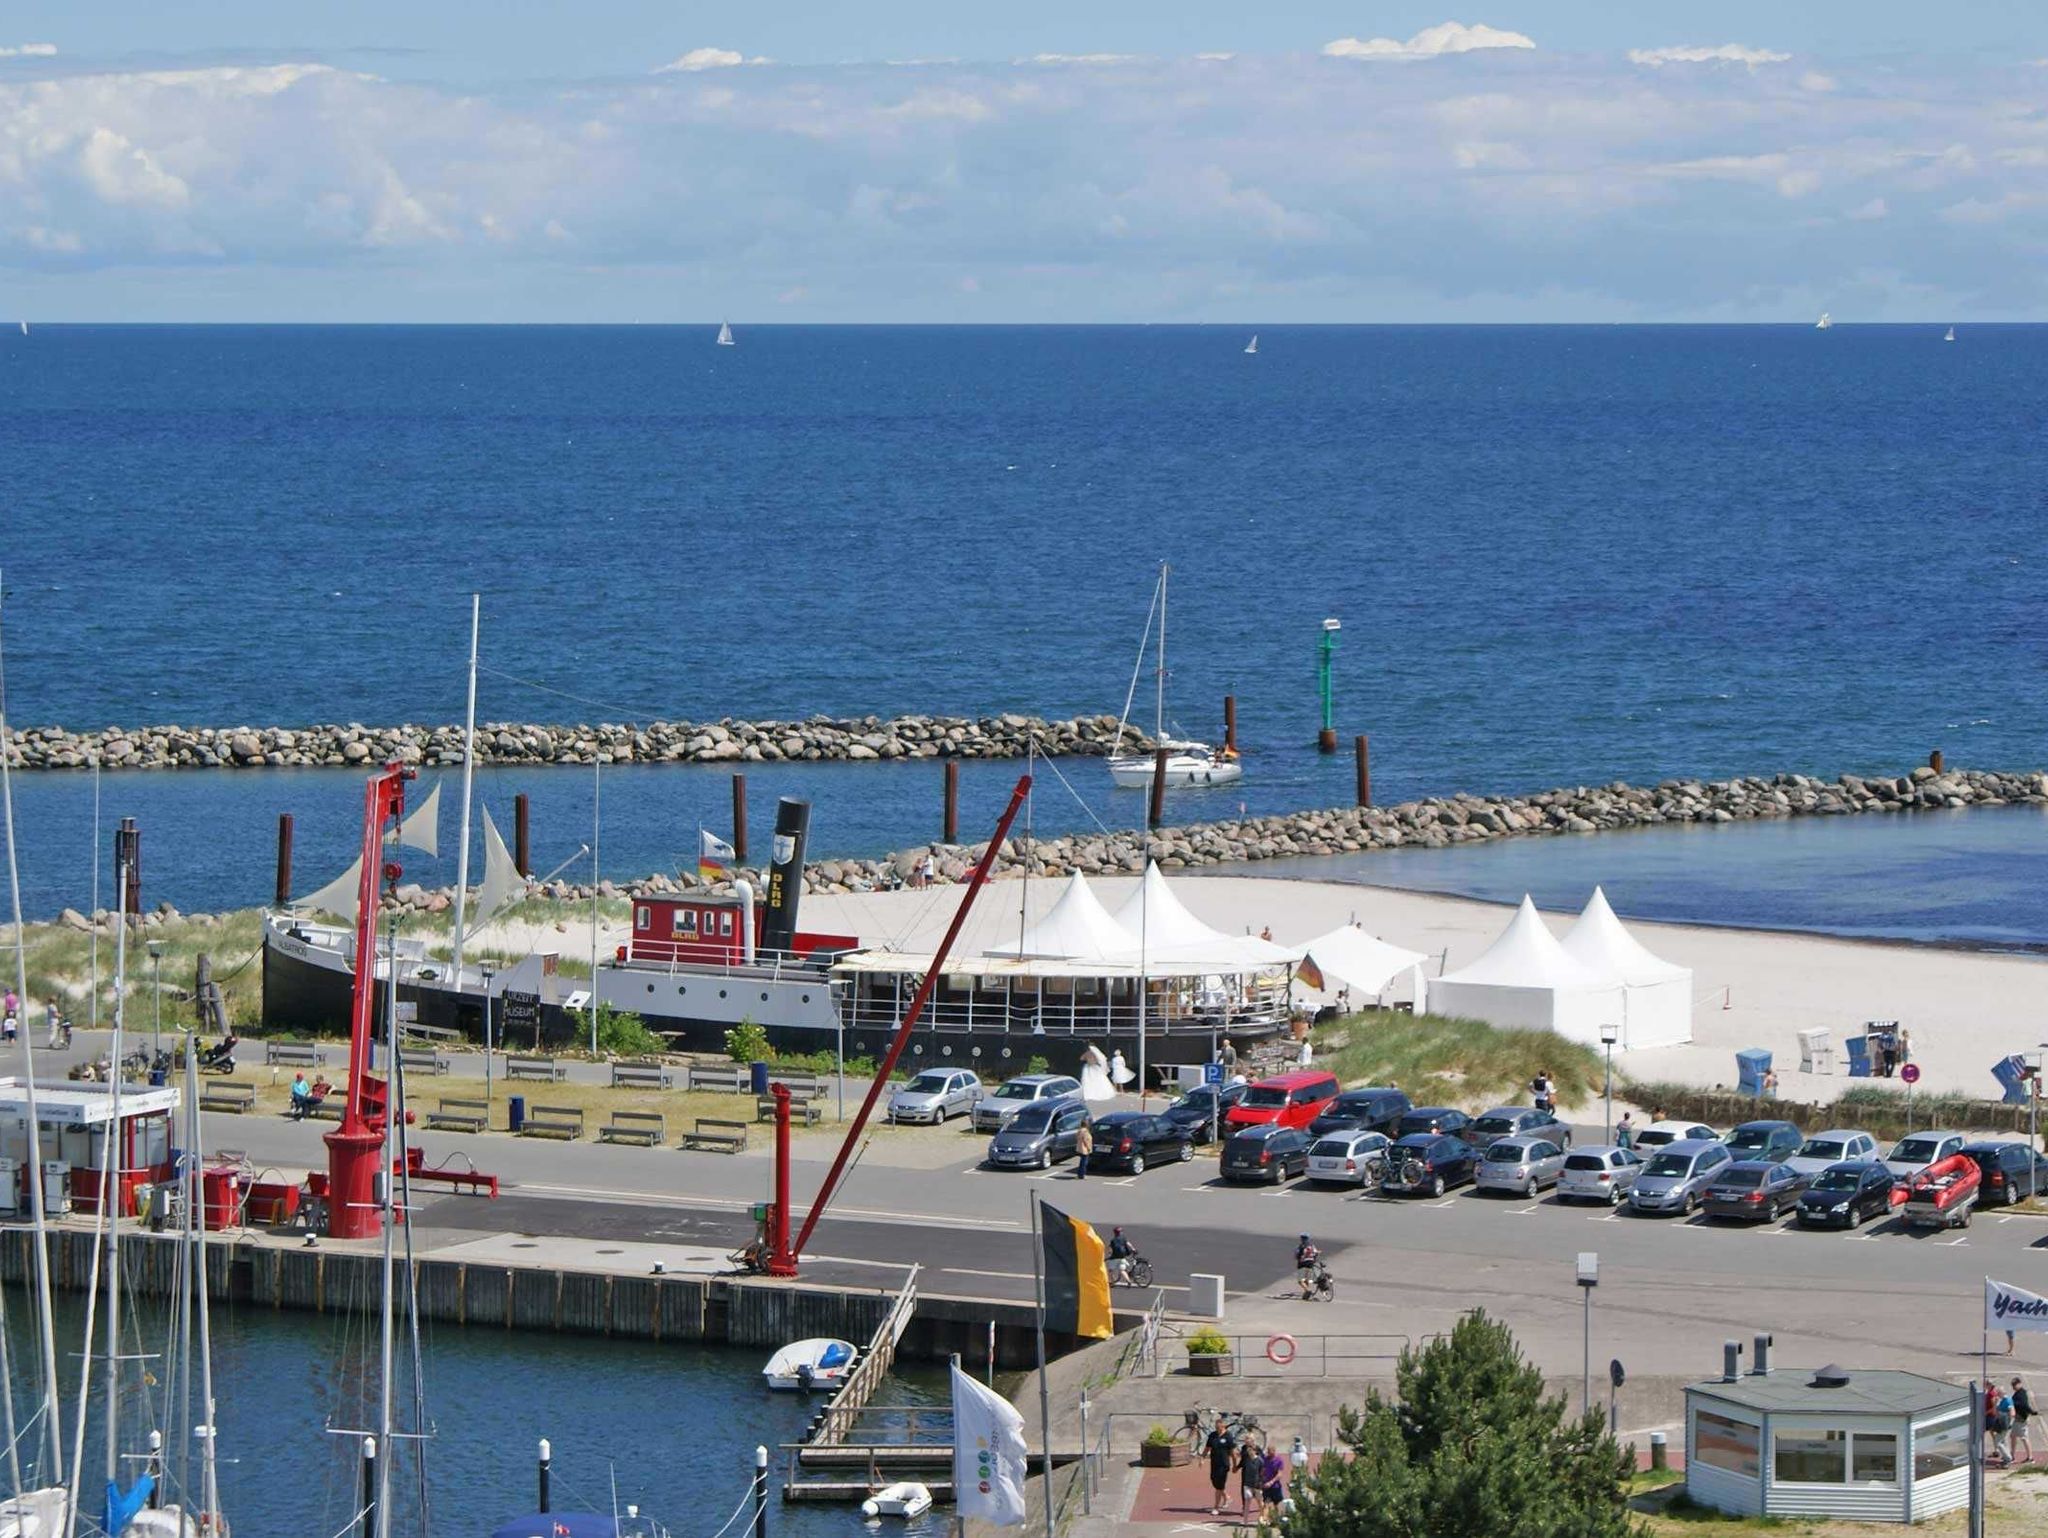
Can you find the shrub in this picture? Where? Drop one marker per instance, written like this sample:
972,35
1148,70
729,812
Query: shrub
1038,1065
1208,1341
1159,1436
747,1043
624,1034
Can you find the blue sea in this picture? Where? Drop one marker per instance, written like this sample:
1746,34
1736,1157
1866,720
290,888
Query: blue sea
1560,555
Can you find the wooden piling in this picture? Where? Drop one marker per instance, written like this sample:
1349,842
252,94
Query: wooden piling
1934,760
952,820
1230,723
1158,813
522,834
1326,740
284,859
1364,752
739,818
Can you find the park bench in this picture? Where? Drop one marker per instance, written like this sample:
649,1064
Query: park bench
725,1076
804,1086
805,1111
421,1060
640,1076
412,1030
228,1097
459,1115
291,1054
563,1121
545,1069
710,1132
329,1106
643,1127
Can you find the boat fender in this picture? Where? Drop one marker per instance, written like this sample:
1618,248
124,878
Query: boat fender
1280,1349
869,1509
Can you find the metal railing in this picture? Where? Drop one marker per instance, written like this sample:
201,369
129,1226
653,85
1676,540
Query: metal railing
1312,1356
953,1016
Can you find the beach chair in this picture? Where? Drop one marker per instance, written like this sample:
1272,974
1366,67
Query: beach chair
1816,1051
1752,1067
1859,1056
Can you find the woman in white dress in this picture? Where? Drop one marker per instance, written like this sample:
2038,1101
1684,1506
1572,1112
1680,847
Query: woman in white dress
1095,1083
1119,1071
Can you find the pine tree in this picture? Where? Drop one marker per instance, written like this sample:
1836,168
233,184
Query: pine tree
1469,1448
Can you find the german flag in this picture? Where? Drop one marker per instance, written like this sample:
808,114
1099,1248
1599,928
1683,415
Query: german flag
1076,1276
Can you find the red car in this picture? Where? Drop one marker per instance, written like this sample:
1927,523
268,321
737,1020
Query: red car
1287,1099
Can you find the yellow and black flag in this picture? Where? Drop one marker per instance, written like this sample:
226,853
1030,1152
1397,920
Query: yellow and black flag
1076,1276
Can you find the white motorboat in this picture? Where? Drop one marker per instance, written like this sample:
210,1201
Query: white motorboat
1187,763
906,1498
724,334
1825,323
804,1365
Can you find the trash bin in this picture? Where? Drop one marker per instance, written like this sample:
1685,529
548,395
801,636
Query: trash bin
156,1078
760,1077
515,1114
220,1198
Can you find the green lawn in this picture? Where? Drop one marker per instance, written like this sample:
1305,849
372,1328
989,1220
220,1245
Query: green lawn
1439,1060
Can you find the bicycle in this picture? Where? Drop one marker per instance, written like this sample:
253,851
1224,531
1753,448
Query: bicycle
1131,1271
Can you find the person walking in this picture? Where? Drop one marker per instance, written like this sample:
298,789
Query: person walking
1273,1478
1543,1091
1997,1425
1251,1465
1625,1132
10,1008
1222,1451
1084,1145
2022,1422
1229,1056
1905,1045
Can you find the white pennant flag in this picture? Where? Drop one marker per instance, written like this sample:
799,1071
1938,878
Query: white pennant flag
988,1454
2013,1308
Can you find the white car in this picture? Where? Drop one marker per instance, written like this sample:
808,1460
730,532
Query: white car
1598,1175
1916,1150
936,1094
1660,1133
993,1112
1832,1147
1350,1156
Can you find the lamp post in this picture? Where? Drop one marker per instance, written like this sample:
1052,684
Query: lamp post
489,972
156,1001
1589,1278
1609,1034
2040,1055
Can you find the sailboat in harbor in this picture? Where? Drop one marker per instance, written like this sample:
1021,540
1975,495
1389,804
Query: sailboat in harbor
1253,345
724,334
1825,323
1187,763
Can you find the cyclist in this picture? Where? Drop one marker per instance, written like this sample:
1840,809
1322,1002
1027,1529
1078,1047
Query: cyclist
1121,1253
1307,1261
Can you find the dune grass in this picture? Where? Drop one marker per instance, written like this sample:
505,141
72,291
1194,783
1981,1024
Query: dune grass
61,962
1438,1060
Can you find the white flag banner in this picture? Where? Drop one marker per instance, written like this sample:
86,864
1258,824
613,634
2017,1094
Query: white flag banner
988,1454
2013,1308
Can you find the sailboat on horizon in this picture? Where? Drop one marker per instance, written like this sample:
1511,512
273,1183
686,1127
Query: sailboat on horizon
1825,323
724,334
1951,335
1253,345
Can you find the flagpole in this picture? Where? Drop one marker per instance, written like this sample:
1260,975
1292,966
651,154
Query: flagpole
1044,1388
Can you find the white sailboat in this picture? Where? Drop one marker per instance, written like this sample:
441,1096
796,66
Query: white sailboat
1187,763
724,334
1253,345
1825,323
1951,335
24,328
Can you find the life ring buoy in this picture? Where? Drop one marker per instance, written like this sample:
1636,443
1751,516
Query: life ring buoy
1279,1349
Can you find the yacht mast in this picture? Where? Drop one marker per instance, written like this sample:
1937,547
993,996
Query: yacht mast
468,776
111,1189
209,1482
1159,682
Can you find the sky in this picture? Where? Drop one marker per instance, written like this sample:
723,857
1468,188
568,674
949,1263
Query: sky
918,161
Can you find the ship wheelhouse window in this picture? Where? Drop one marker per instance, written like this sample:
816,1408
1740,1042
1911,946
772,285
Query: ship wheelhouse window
686,921
725,923
641,918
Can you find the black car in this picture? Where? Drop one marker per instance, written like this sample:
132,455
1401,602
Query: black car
1267,1153
1753,1190
1847,1195
1427,1163
1434,1119
1367,1110
1130,1140
1204,1107
1516,1121
1772,1142
2012,1172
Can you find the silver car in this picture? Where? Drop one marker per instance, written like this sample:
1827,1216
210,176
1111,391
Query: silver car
1599,1174
1676,1176
936,1094
1351,1156
993,1112
1661,1134
1523,1165
1832,1147
1038,1136
1916,1150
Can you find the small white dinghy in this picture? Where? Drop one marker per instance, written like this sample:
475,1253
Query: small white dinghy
906,1498
804,1365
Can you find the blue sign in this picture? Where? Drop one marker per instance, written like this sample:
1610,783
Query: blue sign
1212,1073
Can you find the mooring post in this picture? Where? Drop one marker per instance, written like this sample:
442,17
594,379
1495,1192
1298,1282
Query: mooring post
128,863
547,1456
952,821
369,1501
284,859
1364,771
781,1260
522,833
1158,812
739,818
1326,739
1934,760
760,1492
1230,723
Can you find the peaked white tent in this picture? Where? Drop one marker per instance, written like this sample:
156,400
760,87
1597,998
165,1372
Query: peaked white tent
1076,928
1525,981
1367,965
1165,934
1656,994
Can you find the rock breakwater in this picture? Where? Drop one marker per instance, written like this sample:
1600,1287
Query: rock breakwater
660,742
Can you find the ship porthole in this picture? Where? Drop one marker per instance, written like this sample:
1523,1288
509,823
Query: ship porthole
807,998
721,993
918,1050
976,1052
650,987
946,1051
1006,1052
681,991
764,998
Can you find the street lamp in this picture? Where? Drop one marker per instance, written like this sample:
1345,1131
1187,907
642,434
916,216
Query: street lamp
489,972
1589,1278
156,1001
1609,1035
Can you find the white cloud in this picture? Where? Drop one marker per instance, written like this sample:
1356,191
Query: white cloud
1874,209
707,58
1429,43
1215,58
1814,80
121,173
1727,53
30,51
1078,58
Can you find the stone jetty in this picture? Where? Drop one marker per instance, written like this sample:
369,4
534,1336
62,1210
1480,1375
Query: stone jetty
660,742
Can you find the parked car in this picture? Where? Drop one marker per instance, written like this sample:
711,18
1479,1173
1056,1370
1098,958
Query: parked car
1428,1163
1676,1175
1520,1164
1599,1174
1371,1110
1834,1147
1038,1136
1132,1140
936,1094
2012,1172
1517,1121
1773,1142
1847,1195
1269,1153
992,1111
1203,1107
1755,1190
1288,1099
1433,1119
1917,1150
1660,1134
1349,1156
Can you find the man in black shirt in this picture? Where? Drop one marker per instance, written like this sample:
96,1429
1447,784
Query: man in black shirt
1222,1450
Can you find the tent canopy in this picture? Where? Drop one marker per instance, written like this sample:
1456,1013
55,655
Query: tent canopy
1155,913
1600,942
1362,962
1077,928
1527,955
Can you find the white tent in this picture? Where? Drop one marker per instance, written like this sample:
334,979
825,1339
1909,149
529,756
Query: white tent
1164,934
1656,994
1525,981
1367,965
1076,928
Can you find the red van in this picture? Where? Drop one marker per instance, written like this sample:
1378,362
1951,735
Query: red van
1290,1099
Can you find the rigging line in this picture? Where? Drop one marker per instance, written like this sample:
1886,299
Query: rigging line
1078,801
351,1524
737,1511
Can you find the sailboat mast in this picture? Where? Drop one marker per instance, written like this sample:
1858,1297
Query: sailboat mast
1159,695
476,603
209,1482
111,1189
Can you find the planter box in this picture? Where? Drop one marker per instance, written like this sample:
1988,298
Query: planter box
1220,1365
1162,1455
